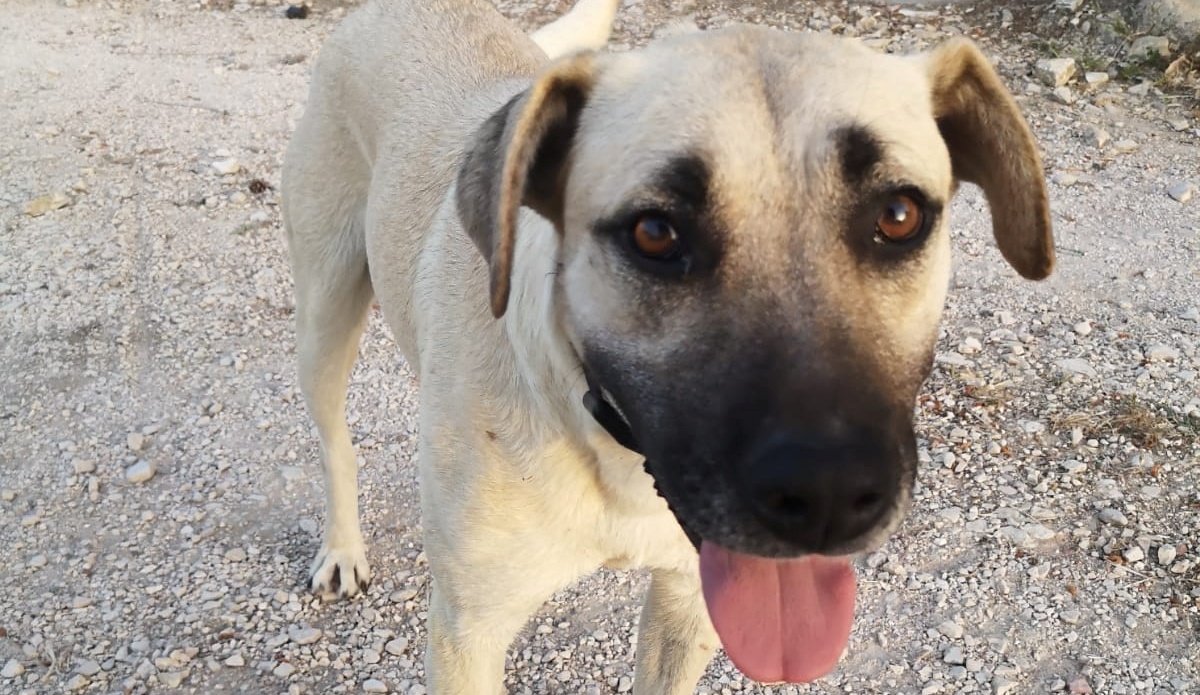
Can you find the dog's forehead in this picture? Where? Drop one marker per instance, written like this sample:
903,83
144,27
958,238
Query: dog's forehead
765,107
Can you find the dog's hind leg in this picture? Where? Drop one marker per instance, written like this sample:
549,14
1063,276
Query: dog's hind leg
333,293
676,639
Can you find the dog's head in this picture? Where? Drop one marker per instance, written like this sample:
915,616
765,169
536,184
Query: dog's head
754,258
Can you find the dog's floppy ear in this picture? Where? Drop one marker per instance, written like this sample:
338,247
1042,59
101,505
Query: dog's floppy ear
519,157
991,145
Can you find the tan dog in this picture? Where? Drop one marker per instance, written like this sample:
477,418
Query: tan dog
668,308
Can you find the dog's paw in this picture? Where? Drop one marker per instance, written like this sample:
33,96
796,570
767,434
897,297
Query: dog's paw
340,573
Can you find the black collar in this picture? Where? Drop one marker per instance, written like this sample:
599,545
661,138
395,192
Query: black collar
608,416
618,428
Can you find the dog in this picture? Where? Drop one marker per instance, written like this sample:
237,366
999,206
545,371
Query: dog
668,308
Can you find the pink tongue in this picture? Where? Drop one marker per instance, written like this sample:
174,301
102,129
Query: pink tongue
779,620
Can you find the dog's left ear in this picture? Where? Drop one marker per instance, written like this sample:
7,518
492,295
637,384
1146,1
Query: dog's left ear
991,145
519,156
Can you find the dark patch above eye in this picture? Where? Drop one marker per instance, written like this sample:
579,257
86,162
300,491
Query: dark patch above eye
858,150
685,181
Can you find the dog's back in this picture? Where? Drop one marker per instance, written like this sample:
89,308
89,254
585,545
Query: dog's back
390,67
388,71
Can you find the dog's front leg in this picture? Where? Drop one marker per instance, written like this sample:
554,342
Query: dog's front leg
463,658
676,639
474,615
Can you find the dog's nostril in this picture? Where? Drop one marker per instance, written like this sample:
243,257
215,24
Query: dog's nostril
793,506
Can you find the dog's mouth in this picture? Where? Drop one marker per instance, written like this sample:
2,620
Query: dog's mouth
779,620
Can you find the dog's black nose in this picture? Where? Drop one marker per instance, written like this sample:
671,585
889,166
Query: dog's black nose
818,492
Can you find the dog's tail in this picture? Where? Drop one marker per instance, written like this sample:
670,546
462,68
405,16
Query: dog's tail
587,26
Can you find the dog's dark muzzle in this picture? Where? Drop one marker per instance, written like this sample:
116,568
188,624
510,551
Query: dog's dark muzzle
811,491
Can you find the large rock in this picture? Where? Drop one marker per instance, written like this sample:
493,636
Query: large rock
1179,18
1055,72
1145,47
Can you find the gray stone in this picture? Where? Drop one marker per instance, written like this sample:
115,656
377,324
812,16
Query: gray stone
1096,79
1166,554
41,205
1055,72
1068,5
284,670
304,635
1161,353
1182,191
1150,46
1064,95
172,679
1097,136
12,669
1064,179
1072,466
1181,16
374,685
1125,146
1113,516
227,166
1077,365
397,647
954,656
140,472
1018,536
1133,554
1140,89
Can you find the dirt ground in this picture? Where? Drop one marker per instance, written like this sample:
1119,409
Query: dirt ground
146,326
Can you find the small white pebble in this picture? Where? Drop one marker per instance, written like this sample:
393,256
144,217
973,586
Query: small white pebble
284,670
140,472
951,629
397,647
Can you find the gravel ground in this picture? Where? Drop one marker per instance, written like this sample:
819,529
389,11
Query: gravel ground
160,492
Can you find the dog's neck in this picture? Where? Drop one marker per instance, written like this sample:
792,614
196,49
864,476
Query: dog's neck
535,330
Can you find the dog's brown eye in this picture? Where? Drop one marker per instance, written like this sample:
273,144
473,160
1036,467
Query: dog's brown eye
655,239
901,219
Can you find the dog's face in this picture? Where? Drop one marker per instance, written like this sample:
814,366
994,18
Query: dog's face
754,258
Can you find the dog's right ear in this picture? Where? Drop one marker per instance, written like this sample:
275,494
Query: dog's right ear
519,156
